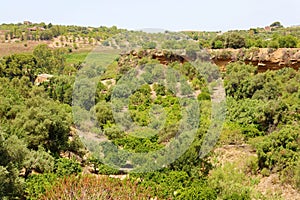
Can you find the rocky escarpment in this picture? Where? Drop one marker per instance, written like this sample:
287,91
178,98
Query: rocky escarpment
264,58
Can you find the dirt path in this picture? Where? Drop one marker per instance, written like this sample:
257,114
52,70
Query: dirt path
219,94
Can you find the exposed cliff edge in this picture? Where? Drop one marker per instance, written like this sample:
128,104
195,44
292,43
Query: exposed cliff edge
264,58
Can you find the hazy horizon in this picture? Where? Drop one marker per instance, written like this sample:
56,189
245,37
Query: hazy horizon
168,15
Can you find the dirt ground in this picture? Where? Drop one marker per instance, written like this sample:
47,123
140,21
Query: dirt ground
9,48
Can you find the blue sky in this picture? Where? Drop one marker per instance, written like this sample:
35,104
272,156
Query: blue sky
175,15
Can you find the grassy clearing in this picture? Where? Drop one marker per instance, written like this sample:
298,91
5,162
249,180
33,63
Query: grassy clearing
76,57
106,60
89,56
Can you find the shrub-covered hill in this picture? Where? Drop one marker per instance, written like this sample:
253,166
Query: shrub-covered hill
131,104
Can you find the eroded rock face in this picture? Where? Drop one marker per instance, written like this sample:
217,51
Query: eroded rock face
264,58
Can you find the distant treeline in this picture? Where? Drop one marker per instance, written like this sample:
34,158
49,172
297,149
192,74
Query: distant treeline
42,31
273,36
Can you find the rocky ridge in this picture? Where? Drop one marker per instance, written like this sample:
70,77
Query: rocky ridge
264,58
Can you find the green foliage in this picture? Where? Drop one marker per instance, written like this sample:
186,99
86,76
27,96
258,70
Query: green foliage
19,65
273,44
43,55
288,41
232,134
253,115
170,184
113,132
276,24
139,105
104,113
50,31
254,37
166,182
103,92
139,145
76,57
262,101
60,88
106,170
230,183
76,145
229,40
241,81
12,156
252,165
264,104
204,96
40,161
103,169
149,45
37,185
280,149
235,41
50,61
237,80
67,167
46,35
265,172
198,190
44,122
36,121
218,44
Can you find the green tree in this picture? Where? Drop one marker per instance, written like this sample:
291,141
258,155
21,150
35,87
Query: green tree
288,41
280,150
49,25
44,56
44,122
46,35
40,161
149,45
276,25
104,115
218,45
60,88
12,154
18,65
218,42
238,80
235,40
273,44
